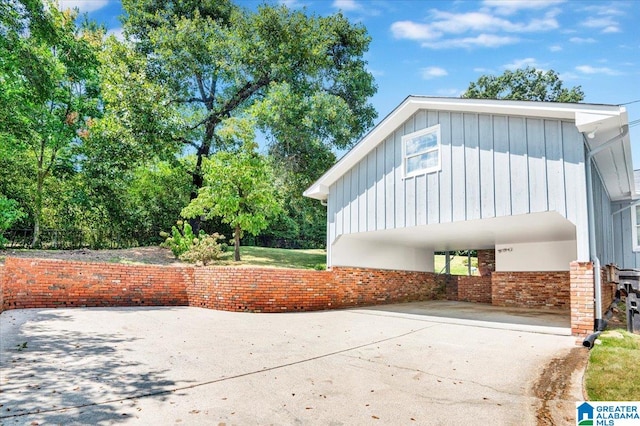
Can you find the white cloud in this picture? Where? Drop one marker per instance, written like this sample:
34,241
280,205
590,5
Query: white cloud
482,40
581,40
433,72
605,24
83,5
522,63
510,7
481,28
413,31
346,5
481,21
555,48
588,69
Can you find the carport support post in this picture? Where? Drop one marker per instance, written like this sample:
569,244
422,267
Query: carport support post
447,262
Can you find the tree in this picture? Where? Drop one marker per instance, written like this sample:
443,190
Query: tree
191,66
49,91
240,189
527,84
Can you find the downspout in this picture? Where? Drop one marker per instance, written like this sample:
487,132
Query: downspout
598,323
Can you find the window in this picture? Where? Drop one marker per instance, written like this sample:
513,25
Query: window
421,151
635,223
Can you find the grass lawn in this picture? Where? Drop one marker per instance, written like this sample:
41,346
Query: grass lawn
458,265
614,368
277,258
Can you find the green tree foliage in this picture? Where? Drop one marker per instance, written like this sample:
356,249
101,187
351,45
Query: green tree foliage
528,84
196,66
9,213
49,92
240,189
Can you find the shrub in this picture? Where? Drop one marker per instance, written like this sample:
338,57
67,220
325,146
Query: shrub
205,249
181,239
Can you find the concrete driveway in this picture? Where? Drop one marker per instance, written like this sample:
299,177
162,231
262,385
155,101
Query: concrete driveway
193,366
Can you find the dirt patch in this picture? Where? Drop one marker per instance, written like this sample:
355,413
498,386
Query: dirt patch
140,255
559,387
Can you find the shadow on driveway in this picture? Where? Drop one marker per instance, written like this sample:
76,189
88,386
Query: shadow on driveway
49,364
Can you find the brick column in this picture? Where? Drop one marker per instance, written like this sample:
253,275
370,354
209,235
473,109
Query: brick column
486,262
582,302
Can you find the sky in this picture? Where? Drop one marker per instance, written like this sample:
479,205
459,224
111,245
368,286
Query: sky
436,48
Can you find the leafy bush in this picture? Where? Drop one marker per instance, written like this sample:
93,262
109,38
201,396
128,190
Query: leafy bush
9,214
182,238
205,249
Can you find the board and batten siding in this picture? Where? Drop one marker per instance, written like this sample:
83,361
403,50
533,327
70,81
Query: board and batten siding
622,240
492,166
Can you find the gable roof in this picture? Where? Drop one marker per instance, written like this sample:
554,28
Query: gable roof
600,121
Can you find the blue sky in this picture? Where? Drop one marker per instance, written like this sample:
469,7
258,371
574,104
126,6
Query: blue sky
422,47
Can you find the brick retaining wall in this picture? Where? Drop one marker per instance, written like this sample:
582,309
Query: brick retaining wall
40,283
531,289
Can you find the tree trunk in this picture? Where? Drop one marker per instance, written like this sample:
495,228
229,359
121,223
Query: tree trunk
37,211
236,238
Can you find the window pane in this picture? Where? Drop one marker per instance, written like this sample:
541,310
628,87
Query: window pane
421,143
637,237
638,215
422,161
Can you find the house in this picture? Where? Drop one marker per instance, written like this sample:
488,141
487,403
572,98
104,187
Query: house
540,185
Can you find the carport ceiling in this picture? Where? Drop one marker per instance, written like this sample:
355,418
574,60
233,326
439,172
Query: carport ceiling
476,234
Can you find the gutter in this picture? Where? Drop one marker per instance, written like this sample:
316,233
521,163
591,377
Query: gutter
599,323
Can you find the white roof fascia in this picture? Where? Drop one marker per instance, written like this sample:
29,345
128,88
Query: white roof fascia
587,116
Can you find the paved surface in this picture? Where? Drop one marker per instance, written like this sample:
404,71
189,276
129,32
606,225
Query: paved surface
165,366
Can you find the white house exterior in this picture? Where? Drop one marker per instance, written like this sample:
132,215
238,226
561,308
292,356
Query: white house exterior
443,174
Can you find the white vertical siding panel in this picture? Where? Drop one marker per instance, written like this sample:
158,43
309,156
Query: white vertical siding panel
410,208
446,202
400,197
346,209
371,191
458,168
472,167
519,166
555,166
339,206
575,181
536,155
487,178
421,200
380,190
390,184
354,199
362,195
502,166
331,219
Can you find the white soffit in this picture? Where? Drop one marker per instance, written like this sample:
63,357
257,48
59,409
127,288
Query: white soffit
476,234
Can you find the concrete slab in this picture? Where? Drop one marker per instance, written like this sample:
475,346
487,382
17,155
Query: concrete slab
195,366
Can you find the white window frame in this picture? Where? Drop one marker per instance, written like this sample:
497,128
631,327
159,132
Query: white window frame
433,129
634,227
